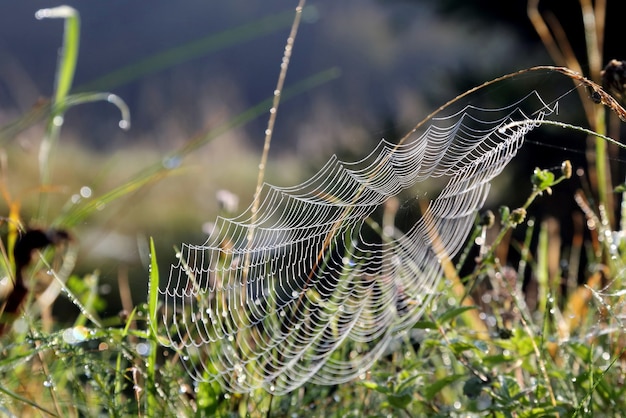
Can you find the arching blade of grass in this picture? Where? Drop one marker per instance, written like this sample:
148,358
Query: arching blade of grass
151,64
63,82
46,109
69,51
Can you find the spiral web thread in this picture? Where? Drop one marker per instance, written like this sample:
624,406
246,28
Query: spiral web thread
320,291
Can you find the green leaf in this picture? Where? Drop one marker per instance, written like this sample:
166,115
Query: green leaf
620,188
459,346
399,401
376,387
208,398
450,314
425,325
505,212
542,179
473,386
490,361
431,391
407,386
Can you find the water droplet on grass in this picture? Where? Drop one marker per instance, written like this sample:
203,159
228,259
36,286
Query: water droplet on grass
171,163
58,121
85,191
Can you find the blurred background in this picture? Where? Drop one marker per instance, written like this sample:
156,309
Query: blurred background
360,71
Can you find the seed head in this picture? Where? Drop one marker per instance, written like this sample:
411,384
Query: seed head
566,169
518,216
487,219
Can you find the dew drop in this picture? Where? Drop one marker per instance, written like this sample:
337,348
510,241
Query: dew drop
143,349
85,192
171,163
55,12
58,121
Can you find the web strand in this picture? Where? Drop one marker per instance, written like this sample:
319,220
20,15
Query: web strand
315,294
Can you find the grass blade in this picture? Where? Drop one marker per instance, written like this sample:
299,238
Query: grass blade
153,295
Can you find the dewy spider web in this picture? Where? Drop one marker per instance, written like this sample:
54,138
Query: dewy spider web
316,296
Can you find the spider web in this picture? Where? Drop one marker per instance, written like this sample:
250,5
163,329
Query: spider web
309,288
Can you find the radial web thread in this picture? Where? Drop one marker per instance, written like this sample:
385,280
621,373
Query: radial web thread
308,288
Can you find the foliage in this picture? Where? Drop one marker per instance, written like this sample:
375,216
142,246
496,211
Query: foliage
509,338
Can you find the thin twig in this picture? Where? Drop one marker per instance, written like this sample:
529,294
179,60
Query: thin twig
284,65
273,112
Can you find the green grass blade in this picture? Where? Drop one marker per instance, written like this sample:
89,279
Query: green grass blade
90,97
153,289
26,401
153,302
69,51
64,77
